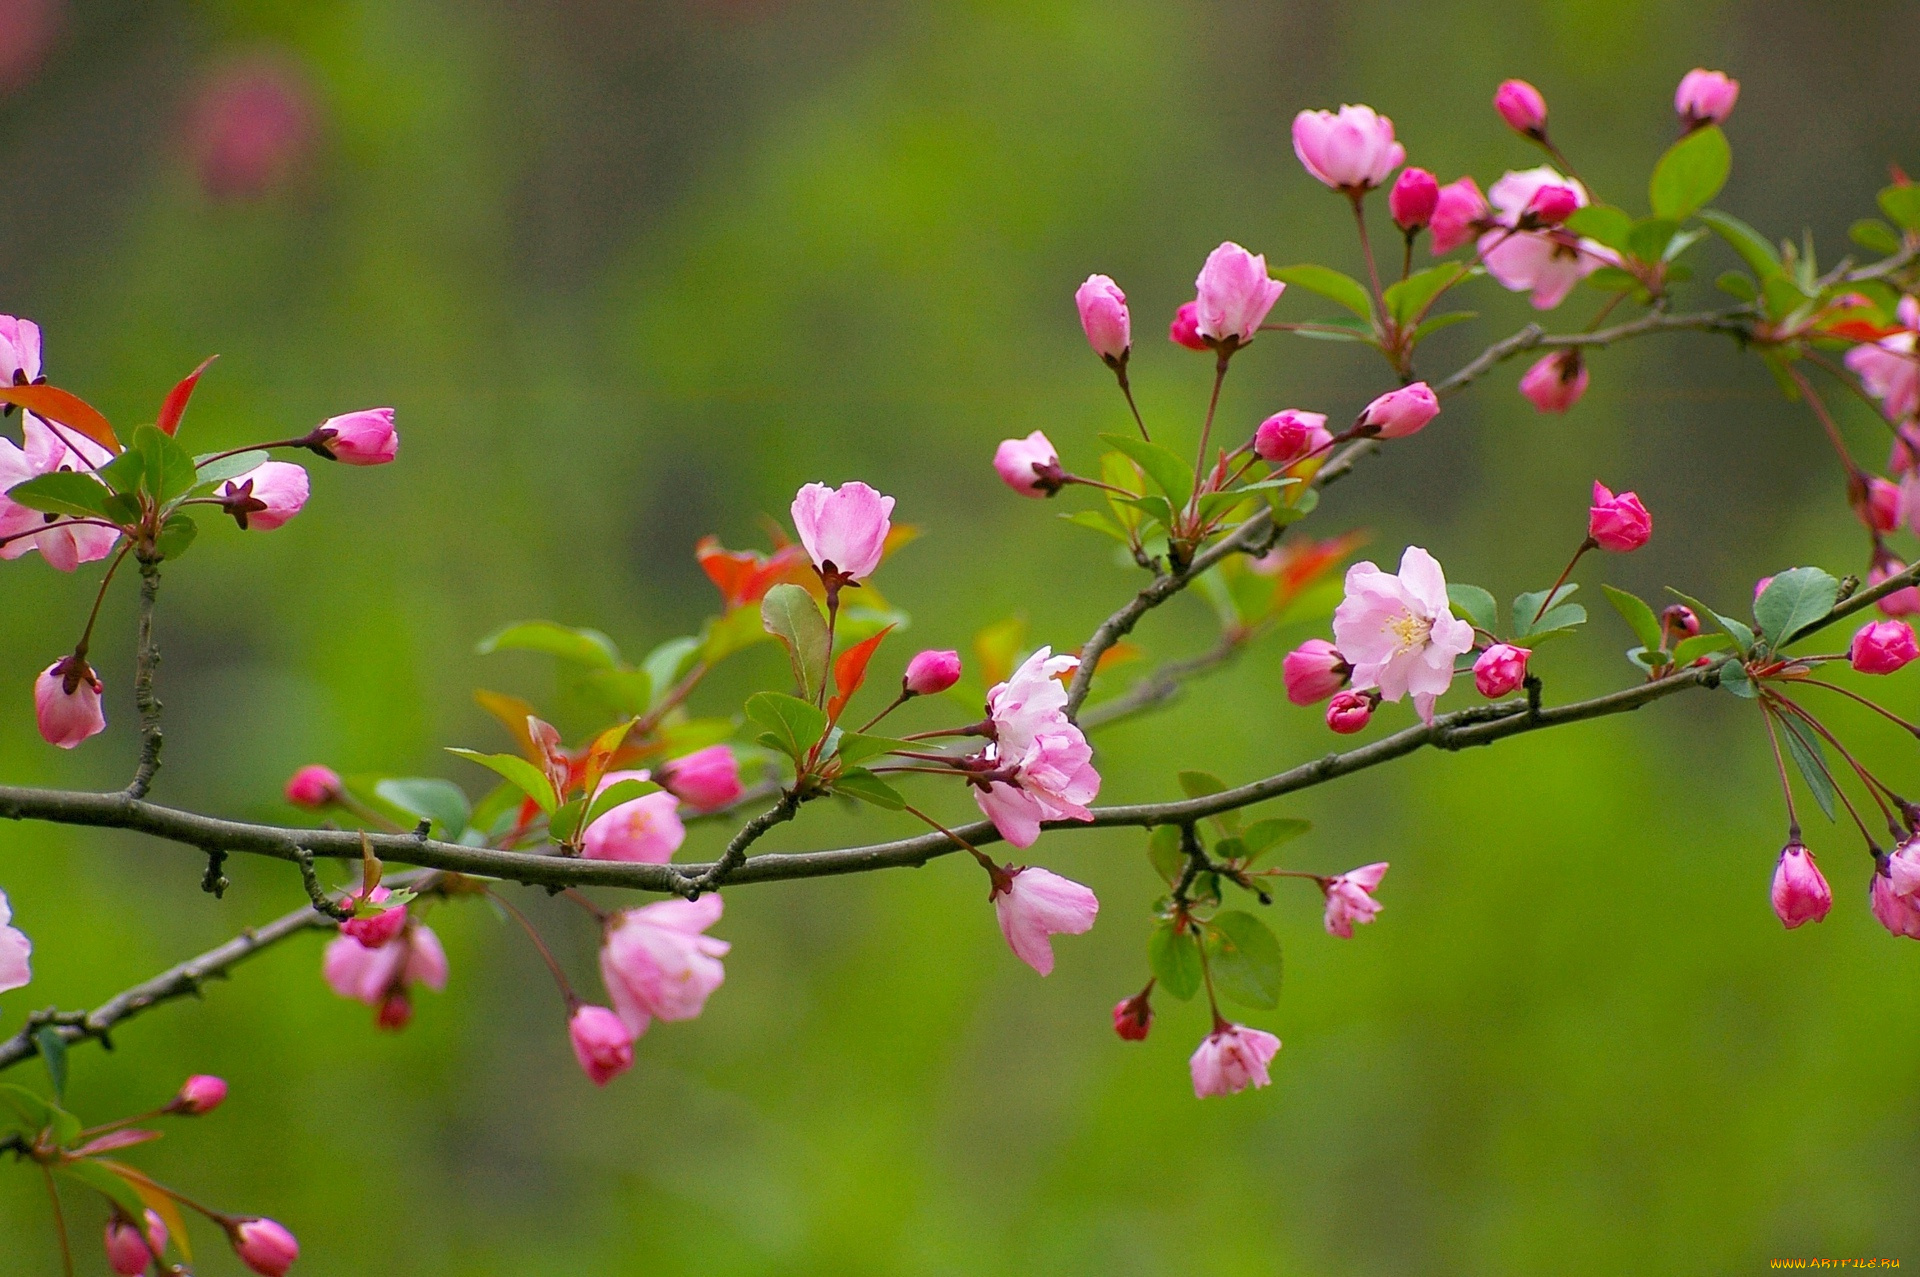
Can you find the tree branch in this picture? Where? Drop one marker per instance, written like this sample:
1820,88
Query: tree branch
147,657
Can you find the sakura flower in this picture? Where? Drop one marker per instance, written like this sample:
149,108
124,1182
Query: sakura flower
1401,412
1351,151
1292,436
382,977
1800,893
364,438
1041,764
705,780
844,529
1898,913
601,1042
15,949
1033,904
1349,898
1555,382
377,926
1901,602
1103,313
1029,466
646,829
1398,632
1547,263
1903,871
1881,506
266,496
1230,1059
1890,369
66,702
1620,523
656,962
19,351
1881,647
1458,215
1705,97
61,542
1235,294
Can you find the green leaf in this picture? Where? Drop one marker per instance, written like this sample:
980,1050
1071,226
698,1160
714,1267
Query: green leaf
795,726
1635,612
1331,284
1476,604
1344,330
860,783
855,748
1734,678
629,693
1736,630
1448,320
1264,835
1197,784
1163,852
1811,759
564,822
1416,292
1760,256
589,648
53,1054
90,1174
1601,222
1793,600
1175,959
519,773
1737,284
1245,959
1614,279
35,1113
1169,473
1875,236
176,534
1099,522
1783,297
168,468
1902,205
441,801
1156,508
1649,237
63,492
1678,244
621,791
667,664
217,471
1691,173
1689,650
789,614
1557,614
123,473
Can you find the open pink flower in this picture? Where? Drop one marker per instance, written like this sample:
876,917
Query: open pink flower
265,497
1045,763
1029,466
1458,215
844,529
1399,632
66,703
705,780
1351,151
1800,893
1235,294
19,351
1903,870
656,962
601,1042
1232,1058
1036,904
16,971
62,543
1619,524
1705,97
1546,263
1890,369
646,829
1350,899
363,438
1555,382
383,978
1898,913
1103,313
1902,602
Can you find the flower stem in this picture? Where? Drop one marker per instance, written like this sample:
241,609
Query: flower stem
1780,764
1547,600
1206,429
59,1222
1126,388
559,976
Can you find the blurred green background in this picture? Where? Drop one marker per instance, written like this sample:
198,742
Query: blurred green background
632,272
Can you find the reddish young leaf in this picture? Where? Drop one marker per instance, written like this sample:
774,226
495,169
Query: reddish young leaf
850,671
175,406
64,408
115,1139
744,577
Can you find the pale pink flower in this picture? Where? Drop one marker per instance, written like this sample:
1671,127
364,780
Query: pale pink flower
1399,632
1047,761
1029,466
844,529
252,127
199,1095
266,496
1897,913
1500,669
66,703
1103,313
1705,97
1314,671
264,1246
314,786
1903,871
1800,893
15,950
48,449
1400,413
601,1042
1351,151
1555,382
1350,899
1413,199
19,351
382,977
1349,712
129,1252
1890,368
1036,904
1185,328
1619,523
1547,263
1881,647
1522,107
1458,216
705,780
646,829
1290,436
363,438
1235,294
931,672
656,962
1231,1058
1902,602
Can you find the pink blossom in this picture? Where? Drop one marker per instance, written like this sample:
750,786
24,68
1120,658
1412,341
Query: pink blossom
1043,759
844,529
1235,295
264,1246
199,1095
1705,97
1890,370
1349,898
1522,107
1800,893
705,780
16,971
1547,263
1552,204
377,926
1897,913
1231,1058
1620,524
1351,151
646,829
1500,669
252,127
1556,382
1400,413
382,977
1103,313
266,496
64,544
1399,632
1291,436
931,672
364,438
1881,647
1413,199
1458,216
1903,871
66,702
1035,904
1314,671
1185,328
129,1252
1029,466
1349,712
1904,601
19,351
656,962
314,786
1880,506
1133,1017
601,1042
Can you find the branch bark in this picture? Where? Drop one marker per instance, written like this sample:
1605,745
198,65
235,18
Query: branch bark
147,658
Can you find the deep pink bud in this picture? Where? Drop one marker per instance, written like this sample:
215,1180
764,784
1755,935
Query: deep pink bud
128,1252
1556,382
601,1042
705,780
314,786
1500,669
1103,313
200,1094
1551,205
1314,671
1290,436
931,672
1133,1017
395,1013
1348,712
1881,647
266,496
1458,215
1235,294
66,702
1879,507
1705,97
375,929
1185,328
264,1246
364,438
1400,413
1522,107
1621,523
1678,620
1029,466
1800,893
1414,197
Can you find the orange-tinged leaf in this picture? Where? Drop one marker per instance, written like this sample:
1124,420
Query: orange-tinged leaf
65,408
513,714
743,576
899,535
157,1200
175,406
850,671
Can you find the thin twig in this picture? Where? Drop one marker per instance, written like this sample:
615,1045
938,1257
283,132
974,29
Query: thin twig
147,658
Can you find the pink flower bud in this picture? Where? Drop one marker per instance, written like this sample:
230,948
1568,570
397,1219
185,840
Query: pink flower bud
1500,669
1290,436
66,702
375,929
1348,712
1800,894
1400,413
1895,912
199,1095
1879,506
1551,205
1413,199
364,438
1458,216
844,529
314,786
601,1042
1522,107
1350,899
1902,602
1678,621
1881,647
395,1012
264,1246
931,672
705,780
1621,523
1230,1059
1036,904
266,496
1556,382
1903,870
1705,97
1103,313
1029,466
1314,671
1185,328
16,951
1235,294
252,127
1133,1017
1351,151
646,830
129,1253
